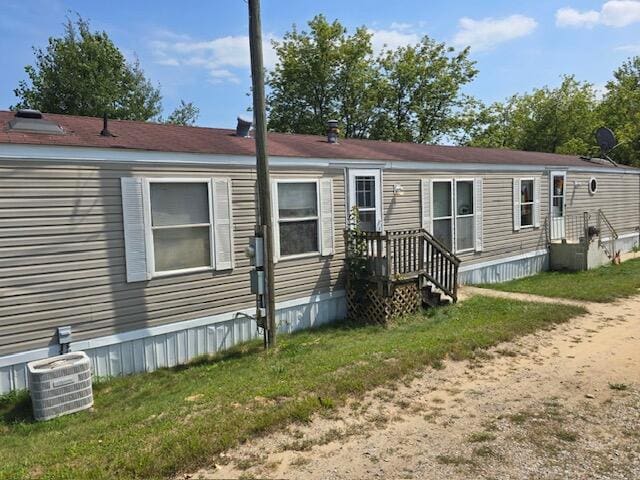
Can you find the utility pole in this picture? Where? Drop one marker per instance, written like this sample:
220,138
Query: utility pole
264,184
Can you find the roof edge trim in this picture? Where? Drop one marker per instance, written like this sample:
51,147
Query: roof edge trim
26,152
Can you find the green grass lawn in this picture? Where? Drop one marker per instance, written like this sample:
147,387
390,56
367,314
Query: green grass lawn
604,284
156,425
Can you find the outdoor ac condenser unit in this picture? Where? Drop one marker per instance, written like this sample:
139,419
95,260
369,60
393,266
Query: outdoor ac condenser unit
60,385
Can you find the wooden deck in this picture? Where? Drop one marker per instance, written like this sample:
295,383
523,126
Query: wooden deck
401,255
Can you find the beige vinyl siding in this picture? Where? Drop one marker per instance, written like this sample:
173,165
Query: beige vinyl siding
62,255
618,196
500,240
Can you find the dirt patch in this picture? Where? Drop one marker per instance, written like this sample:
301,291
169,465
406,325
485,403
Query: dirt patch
556,404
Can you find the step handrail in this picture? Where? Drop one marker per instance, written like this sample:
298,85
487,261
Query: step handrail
613,234
420,231
410,246
451,265
613,231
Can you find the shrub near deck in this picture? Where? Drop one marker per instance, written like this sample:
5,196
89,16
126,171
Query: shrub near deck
604,284
155,425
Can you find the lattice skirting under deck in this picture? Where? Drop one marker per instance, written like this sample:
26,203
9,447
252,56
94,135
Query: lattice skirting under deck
371,304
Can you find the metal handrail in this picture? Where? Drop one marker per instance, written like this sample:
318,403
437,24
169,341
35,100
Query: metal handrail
613,234
613,231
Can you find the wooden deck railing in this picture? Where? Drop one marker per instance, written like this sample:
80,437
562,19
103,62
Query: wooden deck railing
402,254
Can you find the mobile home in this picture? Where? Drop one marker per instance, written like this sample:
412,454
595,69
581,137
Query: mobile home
135,239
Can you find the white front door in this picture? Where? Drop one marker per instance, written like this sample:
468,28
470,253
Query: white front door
557,204
365,192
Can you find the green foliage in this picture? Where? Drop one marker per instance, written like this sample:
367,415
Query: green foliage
420,92
84,73
620,110
184,114
412,93
356,261
604,284
175,420
564,119
557,120
322,74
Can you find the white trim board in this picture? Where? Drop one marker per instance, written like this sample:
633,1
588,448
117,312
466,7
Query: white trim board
37,354
622,237
93,154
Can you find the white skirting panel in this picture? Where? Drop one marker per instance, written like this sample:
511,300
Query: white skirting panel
146,351
625,242
504,269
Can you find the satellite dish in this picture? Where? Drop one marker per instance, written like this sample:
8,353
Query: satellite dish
606,139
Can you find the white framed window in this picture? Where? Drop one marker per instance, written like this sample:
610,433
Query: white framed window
465,213
526,203
365,193
298,218
454,217
442,208
452,211
527,194
176,225
302,217
180,226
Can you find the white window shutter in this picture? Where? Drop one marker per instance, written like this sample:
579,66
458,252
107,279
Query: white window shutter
132,189
478,185
536,202
326,217
425,196
275,217
516,204
222,223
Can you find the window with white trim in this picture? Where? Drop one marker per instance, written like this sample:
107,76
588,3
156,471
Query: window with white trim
181,225
527,199
298,218
465,215
176,225
365,193
454,213
443,212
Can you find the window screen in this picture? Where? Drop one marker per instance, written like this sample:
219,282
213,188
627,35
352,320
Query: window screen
181,225
298,218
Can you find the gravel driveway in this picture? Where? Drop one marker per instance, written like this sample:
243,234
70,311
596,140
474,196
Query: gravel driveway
558,404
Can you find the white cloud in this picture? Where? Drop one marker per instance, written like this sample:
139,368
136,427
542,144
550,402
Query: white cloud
400,26
632,48
614,13
570,17
487,33
221,57
222,75
391,39
620,13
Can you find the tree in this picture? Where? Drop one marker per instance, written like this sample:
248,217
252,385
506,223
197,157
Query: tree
320,75
620,110
557,120
421,92
84,73
184,114
412,93
357,86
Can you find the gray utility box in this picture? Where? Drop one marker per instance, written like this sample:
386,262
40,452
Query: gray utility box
60,385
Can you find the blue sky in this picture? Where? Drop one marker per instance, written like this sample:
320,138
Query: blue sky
198,50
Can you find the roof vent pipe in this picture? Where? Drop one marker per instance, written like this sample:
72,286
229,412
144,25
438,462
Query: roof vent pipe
243,127
332,131
105,130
